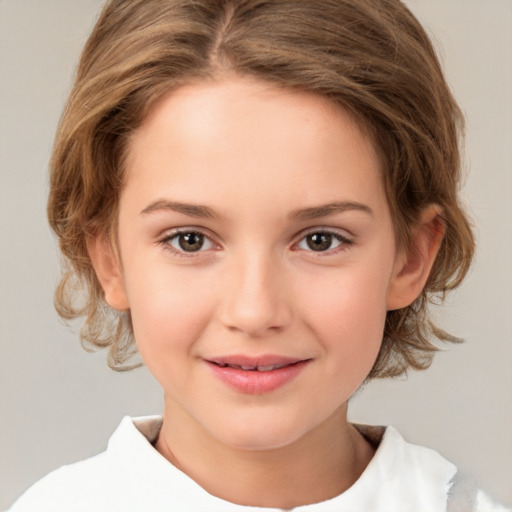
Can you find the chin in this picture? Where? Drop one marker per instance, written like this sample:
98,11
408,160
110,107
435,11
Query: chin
260,435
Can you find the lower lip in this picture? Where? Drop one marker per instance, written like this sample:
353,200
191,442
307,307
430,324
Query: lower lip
254,382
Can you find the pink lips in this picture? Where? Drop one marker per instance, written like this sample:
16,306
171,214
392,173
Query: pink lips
256,375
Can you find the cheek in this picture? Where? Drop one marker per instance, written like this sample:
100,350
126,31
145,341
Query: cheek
348,317
169,310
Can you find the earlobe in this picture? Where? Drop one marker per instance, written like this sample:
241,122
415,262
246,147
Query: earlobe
412,267
108,271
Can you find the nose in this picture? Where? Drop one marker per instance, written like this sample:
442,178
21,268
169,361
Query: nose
255,300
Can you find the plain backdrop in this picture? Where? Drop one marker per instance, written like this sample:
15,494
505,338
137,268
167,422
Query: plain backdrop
59,404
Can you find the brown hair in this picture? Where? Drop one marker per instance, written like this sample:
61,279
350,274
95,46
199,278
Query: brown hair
370,56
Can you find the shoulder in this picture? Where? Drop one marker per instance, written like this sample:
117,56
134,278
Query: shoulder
74,485
465,496
436,475
409,477
99,483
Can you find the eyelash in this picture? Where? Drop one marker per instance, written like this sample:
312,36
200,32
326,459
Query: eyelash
166,242
344,242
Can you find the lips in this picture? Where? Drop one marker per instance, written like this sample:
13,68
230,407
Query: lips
268,368
256,375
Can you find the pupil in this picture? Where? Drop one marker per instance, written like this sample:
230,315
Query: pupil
319,241
191,242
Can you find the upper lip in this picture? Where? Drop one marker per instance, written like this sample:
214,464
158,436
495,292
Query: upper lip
263,361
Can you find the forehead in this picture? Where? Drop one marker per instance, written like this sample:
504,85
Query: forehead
252,138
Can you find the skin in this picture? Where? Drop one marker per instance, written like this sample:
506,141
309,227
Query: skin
255,156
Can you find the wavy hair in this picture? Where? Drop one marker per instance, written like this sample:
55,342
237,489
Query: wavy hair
372,57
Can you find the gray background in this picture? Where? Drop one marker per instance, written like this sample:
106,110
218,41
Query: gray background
59,404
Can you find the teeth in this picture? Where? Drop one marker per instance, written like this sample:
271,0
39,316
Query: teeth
270,368
267,368
252,368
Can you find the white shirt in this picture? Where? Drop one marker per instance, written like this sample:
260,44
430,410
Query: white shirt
132,476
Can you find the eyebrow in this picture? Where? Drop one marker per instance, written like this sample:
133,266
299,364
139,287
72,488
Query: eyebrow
316,212
192,210
310,213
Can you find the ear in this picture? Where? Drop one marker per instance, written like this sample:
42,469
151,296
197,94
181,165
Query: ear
413,265
108,271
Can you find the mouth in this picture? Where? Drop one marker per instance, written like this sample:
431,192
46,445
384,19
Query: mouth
249,368
265,363
256,375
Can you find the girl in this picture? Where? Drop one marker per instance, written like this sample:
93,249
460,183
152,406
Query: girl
263,196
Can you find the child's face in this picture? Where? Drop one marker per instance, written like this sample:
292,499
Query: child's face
254,230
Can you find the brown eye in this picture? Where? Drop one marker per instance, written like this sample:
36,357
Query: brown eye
189,241
322,241
319,241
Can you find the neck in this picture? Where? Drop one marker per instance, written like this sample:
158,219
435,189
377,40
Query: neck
318,466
